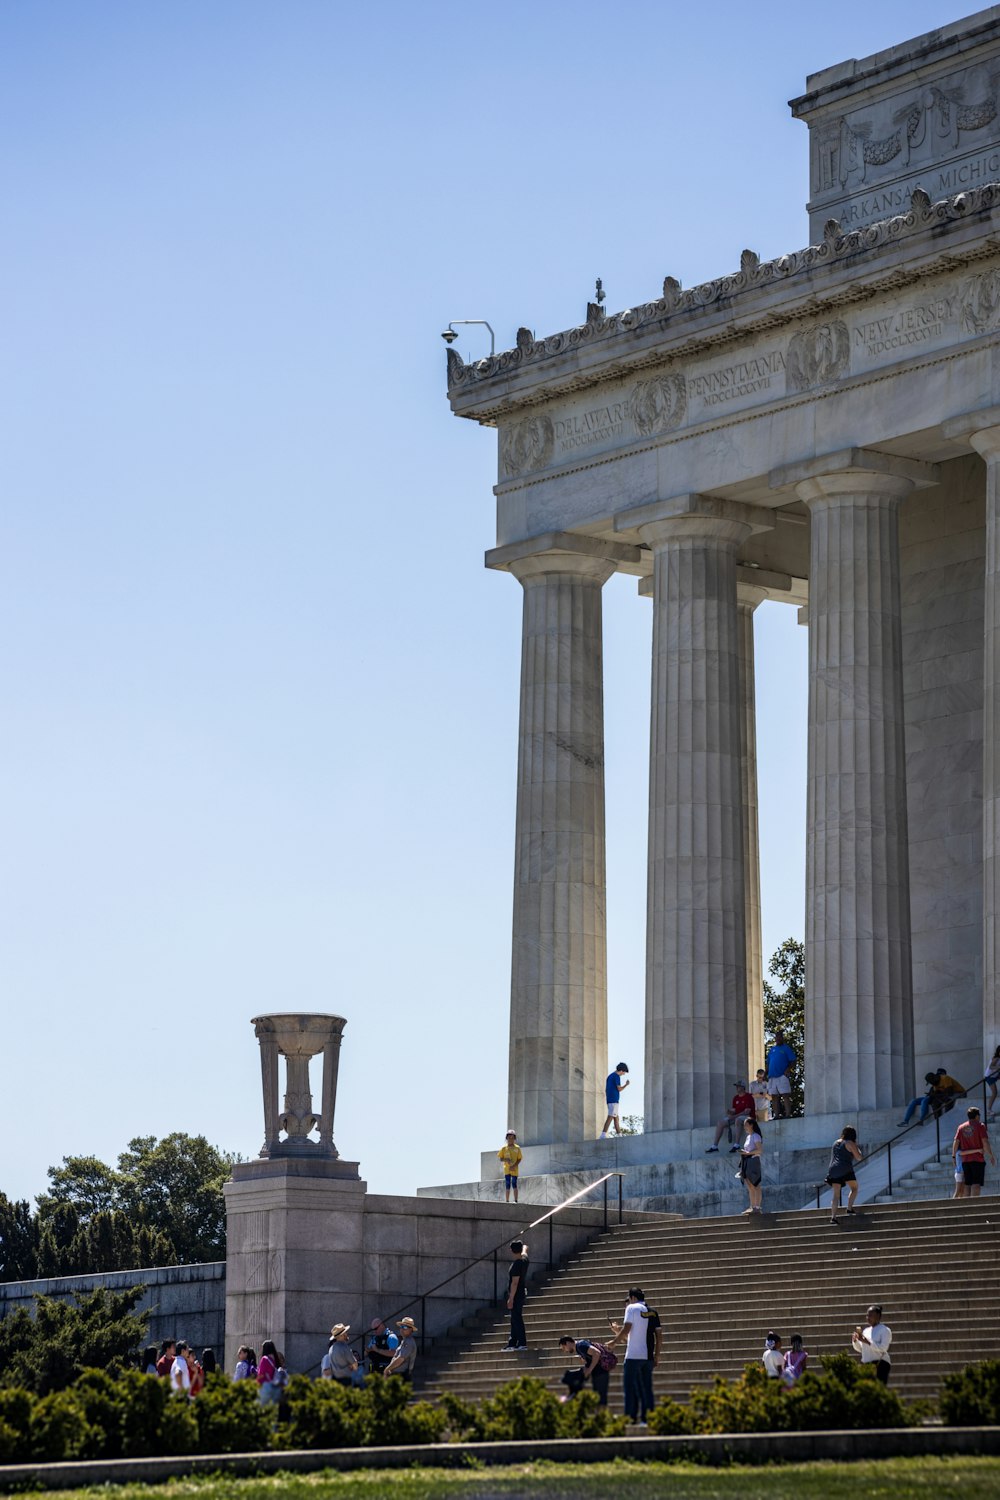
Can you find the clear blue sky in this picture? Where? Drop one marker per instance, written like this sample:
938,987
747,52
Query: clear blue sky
259,695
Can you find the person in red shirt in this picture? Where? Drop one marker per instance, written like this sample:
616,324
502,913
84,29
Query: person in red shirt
743,1104
968,1150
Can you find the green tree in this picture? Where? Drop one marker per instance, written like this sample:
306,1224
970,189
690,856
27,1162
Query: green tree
84,1181
18,1240
161,1206
784,1010
100,1330
175,1187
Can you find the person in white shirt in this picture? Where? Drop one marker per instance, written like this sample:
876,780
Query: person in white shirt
758,1087
632,1329
180,1372
773,1358
751,1152
872,1343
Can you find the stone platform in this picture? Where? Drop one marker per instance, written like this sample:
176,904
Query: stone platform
668,1171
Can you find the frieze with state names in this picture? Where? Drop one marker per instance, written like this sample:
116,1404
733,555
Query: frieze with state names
813,358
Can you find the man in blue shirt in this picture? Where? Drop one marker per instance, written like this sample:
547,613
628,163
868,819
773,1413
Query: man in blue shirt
779,1085
612,1091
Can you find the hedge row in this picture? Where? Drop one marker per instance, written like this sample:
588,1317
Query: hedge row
137,1416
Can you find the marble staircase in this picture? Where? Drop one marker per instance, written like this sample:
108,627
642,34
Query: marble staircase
719,1284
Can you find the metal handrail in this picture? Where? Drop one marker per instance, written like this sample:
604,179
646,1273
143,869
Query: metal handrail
421,1297
887,1145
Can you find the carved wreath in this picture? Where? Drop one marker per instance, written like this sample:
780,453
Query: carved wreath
659,405
817,355
527,445
981,303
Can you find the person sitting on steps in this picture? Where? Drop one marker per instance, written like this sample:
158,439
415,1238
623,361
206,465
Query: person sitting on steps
743,1104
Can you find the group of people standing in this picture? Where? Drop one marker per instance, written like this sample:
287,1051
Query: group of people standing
640,1331
385,1353
178,1363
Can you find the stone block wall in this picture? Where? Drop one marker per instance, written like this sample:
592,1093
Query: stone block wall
942,552
185,1302
306,1252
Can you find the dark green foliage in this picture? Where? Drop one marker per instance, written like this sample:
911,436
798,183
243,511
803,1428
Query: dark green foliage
669,1418
84,1183
845,1396
784,1010
323,1414
161,1206
526,1408
47,1352
18,1240
175,1187
59,1429
15,1425
971,1397
327,1415
229,1415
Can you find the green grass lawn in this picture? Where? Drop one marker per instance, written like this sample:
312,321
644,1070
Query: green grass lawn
894,1478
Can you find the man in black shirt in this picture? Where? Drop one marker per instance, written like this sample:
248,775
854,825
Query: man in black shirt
517,1285
651,1323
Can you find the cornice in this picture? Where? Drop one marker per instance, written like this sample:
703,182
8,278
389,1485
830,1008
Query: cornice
762,295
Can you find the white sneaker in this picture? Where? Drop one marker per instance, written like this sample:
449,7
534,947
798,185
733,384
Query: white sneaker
603,1135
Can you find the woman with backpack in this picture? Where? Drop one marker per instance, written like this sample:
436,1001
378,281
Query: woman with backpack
598,1362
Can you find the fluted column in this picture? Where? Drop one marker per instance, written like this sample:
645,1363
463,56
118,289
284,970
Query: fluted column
696,1001
558,1011
747,599
859,1012
982,431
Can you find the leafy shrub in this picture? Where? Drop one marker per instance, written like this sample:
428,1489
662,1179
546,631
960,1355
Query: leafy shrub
178,1425
670,1419
585,1417
324,1414
59,1429
49,1351
847,1395
388,1417
15,1425
526,1408
748,1404
327,1415
971,1397
230,1417
144,1412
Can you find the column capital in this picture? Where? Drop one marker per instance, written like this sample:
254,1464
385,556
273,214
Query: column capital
707,517
980,429
847,470
565,552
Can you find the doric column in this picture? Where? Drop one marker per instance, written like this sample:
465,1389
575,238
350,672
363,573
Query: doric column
558,1008
747,599
982,431
859,1013
696,946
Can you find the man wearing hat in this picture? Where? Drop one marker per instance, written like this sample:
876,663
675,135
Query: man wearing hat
405,1357
510,1155
339,1362
743,1104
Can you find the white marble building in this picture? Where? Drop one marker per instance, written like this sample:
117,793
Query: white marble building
823,428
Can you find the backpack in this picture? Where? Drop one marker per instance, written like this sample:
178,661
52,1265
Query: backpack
608,1358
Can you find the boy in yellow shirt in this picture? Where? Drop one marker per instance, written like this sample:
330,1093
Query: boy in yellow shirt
510,1154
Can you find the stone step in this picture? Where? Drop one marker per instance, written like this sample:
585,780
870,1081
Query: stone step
796,1277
